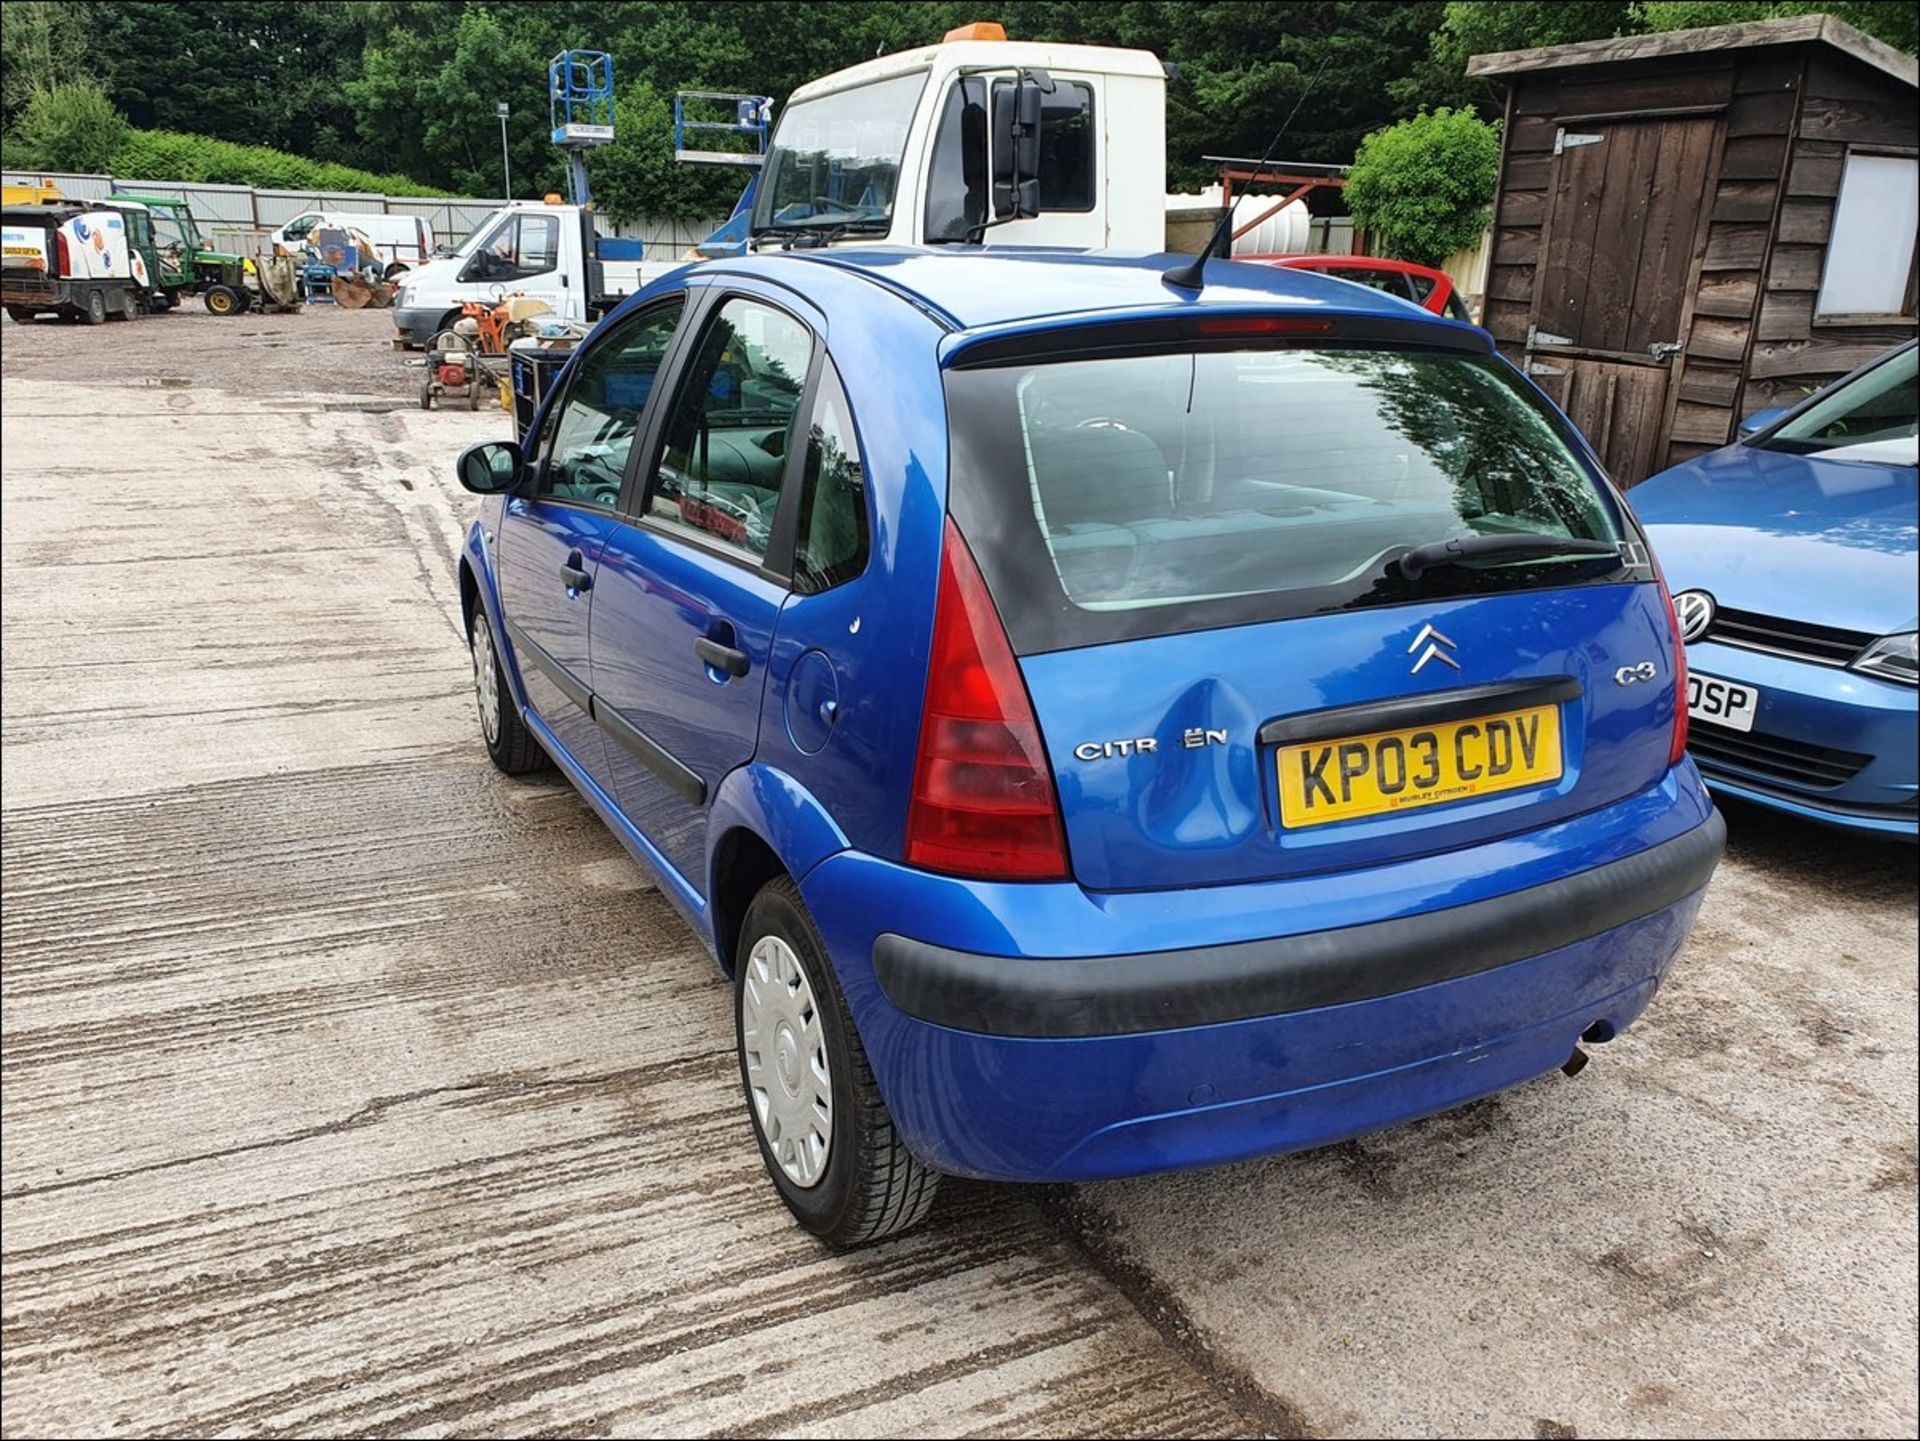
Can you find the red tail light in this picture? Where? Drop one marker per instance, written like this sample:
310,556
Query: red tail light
983,801
420,237
1679,747
60,253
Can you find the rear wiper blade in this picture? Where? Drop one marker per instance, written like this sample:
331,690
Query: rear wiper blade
1463,549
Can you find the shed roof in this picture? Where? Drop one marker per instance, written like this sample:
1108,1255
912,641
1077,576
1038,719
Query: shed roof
1792,30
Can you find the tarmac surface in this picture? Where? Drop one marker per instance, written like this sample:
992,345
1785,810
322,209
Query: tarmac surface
351,1087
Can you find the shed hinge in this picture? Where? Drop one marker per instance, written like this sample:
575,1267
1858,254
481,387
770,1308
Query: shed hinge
1537,336
1535,367
1564,139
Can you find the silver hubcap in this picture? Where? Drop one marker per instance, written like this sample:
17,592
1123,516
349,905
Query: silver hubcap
786,1054
485,688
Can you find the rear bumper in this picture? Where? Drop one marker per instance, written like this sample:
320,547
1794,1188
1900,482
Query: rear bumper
1815,710
1082,1066
1203,986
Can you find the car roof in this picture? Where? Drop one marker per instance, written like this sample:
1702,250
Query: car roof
974,288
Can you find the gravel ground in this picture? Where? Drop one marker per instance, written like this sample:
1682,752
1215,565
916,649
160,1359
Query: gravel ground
350,1087
320,351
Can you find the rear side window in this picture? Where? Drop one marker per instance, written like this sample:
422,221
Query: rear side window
832,544
1149,494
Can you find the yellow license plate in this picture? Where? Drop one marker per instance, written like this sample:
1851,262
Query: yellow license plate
1370,775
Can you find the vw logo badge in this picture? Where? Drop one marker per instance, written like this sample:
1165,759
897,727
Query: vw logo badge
1695,610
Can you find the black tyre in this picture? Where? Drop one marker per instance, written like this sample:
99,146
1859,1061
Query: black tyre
96,311
825,1135
476,391
173,300
222,300
426,394
128,306
246,299
509,743
21,314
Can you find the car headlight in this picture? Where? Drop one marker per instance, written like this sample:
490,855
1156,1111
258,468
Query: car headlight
1893,657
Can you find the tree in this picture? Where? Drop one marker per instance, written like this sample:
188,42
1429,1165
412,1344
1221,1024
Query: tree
42,45
1895,21
1423,186
68,127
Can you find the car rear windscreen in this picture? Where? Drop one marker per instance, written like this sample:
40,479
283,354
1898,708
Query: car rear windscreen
1138,495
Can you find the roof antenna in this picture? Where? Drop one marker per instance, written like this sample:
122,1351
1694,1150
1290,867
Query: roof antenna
1191,276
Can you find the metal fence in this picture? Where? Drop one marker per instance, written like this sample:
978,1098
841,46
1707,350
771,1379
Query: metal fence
240,217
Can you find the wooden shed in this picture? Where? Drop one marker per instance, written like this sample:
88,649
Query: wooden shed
1692,226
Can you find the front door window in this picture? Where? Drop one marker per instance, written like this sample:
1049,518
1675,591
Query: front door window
594,432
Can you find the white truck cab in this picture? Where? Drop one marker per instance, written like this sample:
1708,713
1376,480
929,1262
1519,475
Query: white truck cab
541,248
979,140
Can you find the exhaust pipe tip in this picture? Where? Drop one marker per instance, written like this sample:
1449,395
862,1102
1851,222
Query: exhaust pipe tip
1576,1063
1599,1033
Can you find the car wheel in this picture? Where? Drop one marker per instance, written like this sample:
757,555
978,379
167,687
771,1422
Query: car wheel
129,307
509,743
825,1134
21,314
96,313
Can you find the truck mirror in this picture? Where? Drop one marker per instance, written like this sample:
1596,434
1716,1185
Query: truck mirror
1016,144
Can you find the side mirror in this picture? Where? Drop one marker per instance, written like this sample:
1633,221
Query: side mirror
1760,420
1016,144
491,467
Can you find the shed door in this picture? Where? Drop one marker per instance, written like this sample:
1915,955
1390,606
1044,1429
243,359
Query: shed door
1627,215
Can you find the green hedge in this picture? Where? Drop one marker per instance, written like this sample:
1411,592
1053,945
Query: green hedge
170,155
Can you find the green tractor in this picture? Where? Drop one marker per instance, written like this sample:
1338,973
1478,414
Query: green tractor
183,263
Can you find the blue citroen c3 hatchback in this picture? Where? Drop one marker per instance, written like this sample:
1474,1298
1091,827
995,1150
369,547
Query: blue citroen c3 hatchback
1099,727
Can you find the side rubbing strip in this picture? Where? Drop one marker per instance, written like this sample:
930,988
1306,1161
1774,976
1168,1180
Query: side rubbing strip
684,782
649,753
570,685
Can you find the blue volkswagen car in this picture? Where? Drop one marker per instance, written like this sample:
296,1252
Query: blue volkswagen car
1794,555
1099,727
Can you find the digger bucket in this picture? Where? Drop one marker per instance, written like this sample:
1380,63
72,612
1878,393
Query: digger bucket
279,281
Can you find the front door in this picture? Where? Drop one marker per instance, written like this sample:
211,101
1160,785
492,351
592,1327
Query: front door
1626,218
521,256
552,536
690,590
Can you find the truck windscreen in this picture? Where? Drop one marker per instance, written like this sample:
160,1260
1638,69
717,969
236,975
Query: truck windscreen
835,160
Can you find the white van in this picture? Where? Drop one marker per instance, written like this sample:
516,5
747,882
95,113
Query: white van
403,241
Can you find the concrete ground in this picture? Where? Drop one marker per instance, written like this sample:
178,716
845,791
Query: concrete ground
352,1087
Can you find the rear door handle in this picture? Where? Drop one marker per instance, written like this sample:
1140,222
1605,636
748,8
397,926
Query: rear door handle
575,579
721,657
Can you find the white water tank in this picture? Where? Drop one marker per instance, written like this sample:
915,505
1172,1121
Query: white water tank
1287,232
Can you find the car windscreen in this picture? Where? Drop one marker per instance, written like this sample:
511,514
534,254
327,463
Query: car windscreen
1116,497
1871,409
835,160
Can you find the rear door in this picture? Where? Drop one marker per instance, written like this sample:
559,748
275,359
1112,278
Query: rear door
551,537
691,587
1624,224
1196,557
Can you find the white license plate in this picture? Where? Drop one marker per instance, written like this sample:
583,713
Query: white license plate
1721,702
